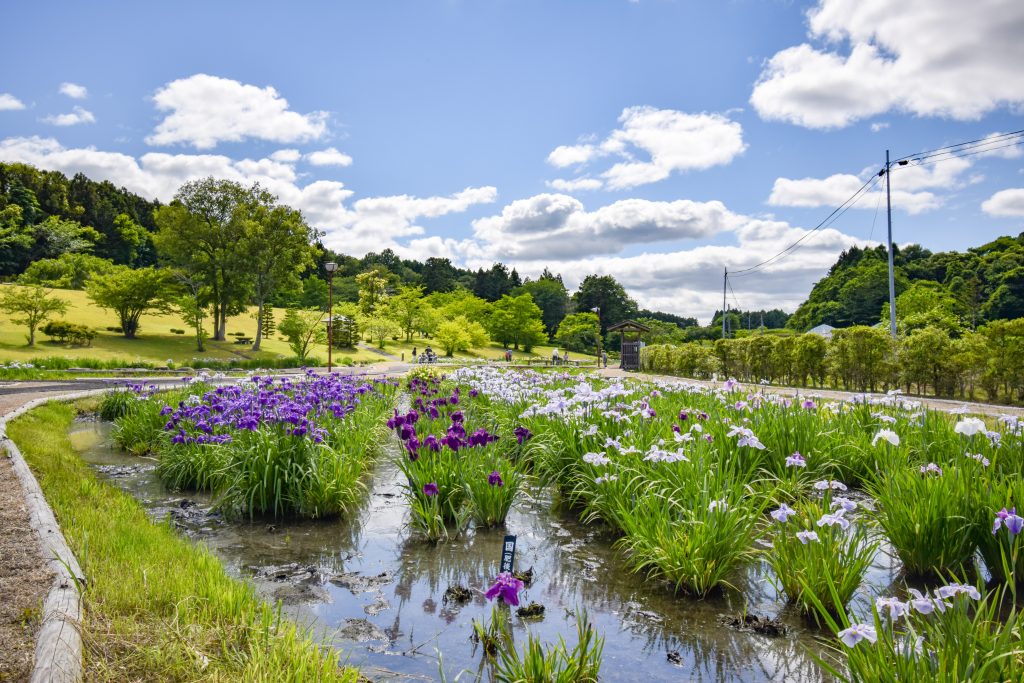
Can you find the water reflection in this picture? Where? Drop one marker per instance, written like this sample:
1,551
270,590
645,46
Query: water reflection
381,595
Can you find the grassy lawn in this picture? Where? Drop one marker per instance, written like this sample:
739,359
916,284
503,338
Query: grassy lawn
157,607
492,352
155,343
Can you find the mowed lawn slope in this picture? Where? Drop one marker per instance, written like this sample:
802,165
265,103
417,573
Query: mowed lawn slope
156,343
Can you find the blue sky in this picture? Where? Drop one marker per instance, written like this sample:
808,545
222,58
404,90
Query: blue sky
657,140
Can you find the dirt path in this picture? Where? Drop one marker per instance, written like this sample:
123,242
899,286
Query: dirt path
24,578
935,403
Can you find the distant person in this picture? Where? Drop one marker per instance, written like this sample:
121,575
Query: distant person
554,357
414,352
565,356
508,355
604,358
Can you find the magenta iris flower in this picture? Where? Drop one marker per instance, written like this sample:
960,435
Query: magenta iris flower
430,489
522,434
507,588
494,479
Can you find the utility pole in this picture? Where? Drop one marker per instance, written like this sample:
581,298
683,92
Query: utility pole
892,276
725,283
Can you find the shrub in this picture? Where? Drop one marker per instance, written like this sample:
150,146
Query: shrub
69,333
177,331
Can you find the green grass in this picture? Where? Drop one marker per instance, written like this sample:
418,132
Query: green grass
155,343
157,607
493,351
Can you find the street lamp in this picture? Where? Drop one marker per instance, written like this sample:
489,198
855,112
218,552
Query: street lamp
330,266
597,309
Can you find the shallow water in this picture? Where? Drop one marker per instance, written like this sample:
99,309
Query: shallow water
372,588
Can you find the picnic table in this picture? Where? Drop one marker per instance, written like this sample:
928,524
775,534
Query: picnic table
243,340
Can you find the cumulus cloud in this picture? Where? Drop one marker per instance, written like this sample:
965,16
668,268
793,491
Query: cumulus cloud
76,116
913,187
329,157
1005,203
557,226
74,91
286,156
206,110
942,58
574,184
666,140
370,224
9,102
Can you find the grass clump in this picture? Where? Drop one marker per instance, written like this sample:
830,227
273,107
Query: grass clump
157,608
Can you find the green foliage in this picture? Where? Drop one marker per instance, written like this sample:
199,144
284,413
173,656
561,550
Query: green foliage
379,329
606,293
550,295
516,321
372,290
131,293
460,334
579,332
69,333
303,329
31,307
68,271
553,664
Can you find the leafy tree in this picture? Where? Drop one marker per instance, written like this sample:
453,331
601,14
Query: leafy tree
579,332
925,356
68,271
380,328
550,295
862,357
604,292
516,320
495,283
31,307
372,290
303,328
404,308
133,239
201,231
277,245
460,334
131,293
809,359
439,275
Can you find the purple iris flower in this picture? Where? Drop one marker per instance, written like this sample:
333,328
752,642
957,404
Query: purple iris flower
683,416
433,412
796,460
494,479
808,404
406,431
166,410
522,434
507,588
457,417
473,393
430,489
432,443
1013,522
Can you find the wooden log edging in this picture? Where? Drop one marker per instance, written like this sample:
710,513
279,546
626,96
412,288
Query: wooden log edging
58,653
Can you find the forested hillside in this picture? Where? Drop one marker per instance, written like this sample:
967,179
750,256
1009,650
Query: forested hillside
962,289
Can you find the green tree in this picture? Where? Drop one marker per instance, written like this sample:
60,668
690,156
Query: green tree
379,329
579,332
549,294
516,320
925,359
277,245
201,232
604,292
404,308
303,328
439,275
68,271
31,307
372,290
131,293
460,334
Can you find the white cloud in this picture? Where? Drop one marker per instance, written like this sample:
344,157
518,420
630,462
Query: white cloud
286,156
1005,203
329,157
9,102
572,155
669,140
913,187
206,110
879,126
74,91
943,58
574,184
557,226
76,116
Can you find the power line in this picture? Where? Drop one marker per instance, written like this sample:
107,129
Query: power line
984,140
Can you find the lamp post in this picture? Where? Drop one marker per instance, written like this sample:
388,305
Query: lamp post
597,309
331,266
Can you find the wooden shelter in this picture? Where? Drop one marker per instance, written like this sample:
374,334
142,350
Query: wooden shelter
630,348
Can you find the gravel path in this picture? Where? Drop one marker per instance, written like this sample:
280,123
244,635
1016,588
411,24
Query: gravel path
24,578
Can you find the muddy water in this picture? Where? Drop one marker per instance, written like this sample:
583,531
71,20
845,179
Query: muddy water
376,591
